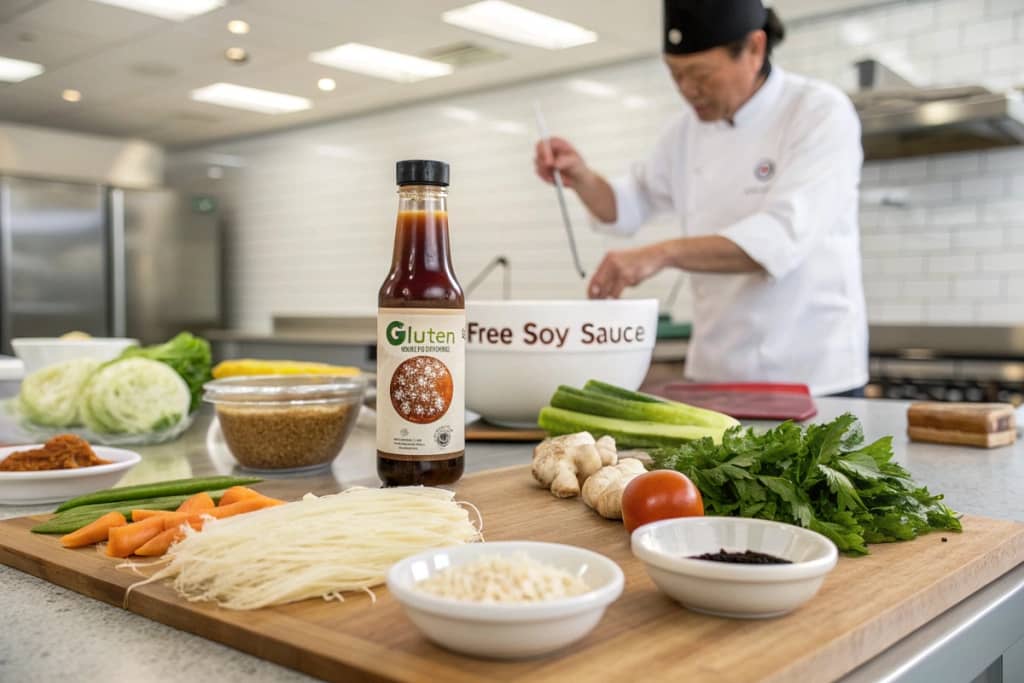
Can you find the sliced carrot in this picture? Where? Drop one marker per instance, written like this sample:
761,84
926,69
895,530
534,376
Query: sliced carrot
159,544
94,532
251,504
122,541
139,515
197,503
235,494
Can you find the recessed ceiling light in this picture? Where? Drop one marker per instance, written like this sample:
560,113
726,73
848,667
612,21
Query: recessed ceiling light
326,84
251,99
373,61
16,70
518,25
238,55
71,95
238,27
592,88
175,10
461,114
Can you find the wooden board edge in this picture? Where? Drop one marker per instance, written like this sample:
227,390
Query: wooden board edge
869,644
159,603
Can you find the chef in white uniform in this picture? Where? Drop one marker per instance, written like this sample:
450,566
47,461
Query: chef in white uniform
763,168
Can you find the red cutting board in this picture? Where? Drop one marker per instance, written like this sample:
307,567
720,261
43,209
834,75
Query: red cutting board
752,401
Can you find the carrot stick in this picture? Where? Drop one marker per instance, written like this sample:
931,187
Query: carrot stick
197,503
251,504
159,544
94,532
122,541
235,494
139,515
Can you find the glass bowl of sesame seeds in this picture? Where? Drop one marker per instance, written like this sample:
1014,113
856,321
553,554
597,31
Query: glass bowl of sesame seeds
286,423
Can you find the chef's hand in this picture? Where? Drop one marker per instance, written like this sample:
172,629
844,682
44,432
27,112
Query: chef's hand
627,268
560,155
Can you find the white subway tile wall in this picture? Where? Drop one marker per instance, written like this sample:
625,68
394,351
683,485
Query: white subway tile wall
311,210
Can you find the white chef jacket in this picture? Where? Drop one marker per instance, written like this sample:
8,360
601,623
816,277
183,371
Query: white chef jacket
781,181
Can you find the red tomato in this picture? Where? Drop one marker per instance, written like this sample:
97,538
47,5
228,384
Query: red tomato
661,494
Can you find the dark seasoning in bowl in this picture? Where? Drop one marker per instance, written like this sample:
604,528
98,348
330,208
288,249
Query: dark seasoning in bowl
745,557
286,422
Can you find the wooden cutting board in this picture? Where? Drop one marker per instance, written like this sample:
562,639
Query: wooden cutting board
481,430
865,605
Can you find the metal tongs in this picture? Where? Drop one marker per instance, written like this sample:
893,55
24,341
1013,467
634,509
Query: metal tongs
559,189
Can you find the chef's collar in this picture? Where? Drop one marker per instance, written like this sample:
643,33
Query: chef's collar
761,101
696,25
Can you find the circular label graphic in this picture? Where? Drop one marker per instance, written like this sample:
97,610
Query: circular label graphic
421,389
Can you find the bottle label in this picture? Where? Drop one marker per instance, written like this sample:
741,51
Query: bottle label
421,399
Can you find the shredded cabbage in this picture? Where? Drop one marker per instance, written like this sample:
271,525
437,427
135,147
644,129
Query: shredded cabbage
50,396
134,396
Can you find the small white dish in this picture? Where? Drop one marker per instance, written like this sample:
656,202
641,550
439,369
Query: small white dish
506,631
39,352
55,486
734,590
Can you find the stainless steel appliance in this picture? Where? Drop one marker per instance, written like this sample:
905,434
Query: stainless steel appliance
899,119
947,363
107,261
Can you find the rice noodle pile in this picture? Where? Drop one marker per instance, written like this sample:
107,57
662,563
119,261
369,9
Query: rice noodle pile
494,579
313,547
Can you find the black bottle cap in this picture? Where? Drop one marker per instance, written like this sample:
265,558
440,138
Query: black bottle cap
421,172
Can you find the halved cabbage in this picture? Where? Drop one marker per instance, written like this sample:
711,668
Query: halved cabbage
51,396
134,396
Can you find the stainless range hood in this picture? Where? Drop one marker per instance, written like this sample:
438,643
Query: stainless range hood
901,120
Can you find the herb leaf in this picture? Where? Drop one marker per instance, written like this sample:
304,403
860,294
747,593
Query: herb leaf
823,478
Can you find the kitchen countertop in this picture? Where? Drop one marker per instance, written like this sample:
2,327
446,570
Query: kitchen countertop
50,633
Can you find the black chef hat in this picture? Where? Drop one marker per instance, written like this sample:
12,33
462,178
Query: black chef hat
698,25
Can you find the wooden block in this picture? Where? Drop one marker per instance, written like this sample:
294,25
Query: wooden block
986,425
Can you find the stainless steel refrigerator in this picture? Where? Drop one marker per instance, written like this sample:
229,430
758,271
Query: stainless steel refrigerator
107,261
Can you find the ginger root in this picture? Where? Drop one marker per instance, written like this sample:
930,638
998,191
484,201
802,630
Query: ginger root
563,463
603,490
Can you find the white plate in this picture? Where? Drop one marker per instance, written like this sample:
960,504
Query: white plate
55,486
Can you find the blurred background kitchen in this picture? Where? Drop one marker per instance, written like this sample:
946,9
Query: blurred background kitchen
147,188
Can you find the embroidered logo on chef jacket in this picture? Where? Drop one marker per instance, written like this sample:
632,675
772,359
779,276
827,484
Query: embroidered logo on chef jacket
764,170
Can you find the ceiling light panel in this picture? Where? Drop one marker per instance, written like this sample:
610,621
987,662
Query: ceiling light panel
16,70
519,25
373,61
175,10
250,99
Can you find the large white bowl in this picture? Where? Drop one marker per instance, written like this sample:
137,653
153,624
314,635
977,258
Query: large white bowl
506,631
509,379
39,352
54,486
734,590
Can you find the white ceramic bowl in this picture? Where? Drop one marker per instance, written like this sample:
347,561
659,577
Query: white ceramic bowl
39,352
734,590
55,486
506,631
518,352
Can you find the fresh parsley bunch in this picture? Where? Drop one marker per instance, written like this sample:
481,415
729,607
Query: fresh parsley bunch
823,478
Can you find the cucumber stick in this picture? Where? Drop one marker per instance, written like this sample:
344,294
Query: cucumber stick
617,406
627,433
176,487
594,386
75,518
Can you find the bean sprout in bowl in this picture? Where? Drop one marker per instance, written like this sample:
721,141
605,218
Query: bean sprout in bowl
518,352
514,629
286,423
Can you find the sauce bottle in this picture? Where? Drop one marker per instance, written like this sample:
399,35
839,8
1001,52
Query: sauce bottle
421,340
